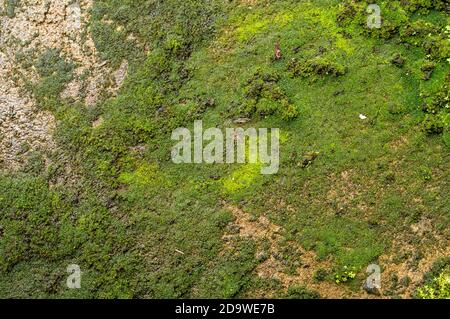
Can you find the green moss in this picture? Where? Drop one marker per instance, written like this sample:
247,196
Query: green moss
425,5
55,72
264,97
30,218
438,289
316,66
145,175
300,292
433,124
345,275
242,178
437,282
231,273
211,60
250,25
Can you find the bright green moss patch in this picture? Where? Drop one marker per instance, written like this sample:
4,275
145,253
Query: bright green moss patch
439,288
145,175
250,25
242,178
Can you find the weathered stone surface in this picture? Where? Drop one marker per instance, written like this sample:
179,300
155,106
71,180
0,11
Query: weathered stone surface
35,27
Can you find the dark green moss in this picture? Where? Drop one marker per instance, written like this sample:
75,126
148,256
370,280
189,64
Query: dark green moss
316,66
299,292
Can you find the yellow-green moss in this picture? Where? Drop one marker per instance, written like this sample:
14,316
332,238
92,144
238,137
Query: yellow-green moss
241,178
147,174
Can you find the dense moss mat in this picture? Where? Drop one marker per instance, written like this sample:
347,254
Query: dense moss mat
140,226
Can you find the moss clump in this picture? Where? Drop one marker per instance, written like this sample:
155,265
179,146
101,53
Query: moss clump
414,32
55,72
265,97
398,60
434,40
346,12
436,283
427,69
437,102
436,107
316,66
320,275
437,47
300,292
423,6
433,124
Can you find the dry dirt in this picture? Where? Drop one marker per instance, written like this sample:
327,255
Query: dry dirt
262,231
35,27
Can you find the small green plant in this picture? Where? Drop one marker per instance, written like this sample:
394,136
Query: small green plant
347,274
439,288
427,69
426,173
436,283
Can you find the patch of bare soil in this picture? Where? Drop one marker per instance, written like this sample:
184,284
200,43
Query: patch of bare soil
407,263
344,190
22,126
401,142
267,234
35,27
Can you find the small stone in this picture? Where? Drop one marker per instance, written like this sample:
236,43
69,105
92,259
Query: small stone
371,289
